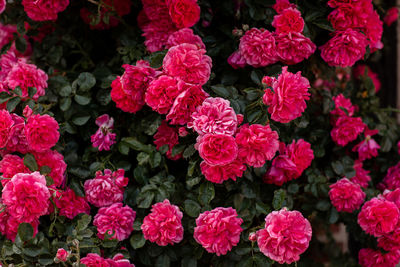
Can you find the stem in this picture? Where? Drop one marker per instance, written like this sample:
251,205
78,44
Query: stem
94,2
391,110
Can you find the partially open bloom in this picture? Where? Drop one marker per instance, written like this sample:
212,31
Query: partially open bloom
347,129
368,148
62,255
257,46
236,60
41,132
289,20
104,138
44,9
281,5
70,205
217,149
26,196
185,35
214,116
362,176
188,63
346,196
343,106
106,189
167,135
115,218
286,235
345,48
257,144
286,100
391,16
378,217
184,13
163,225
218,230
374,258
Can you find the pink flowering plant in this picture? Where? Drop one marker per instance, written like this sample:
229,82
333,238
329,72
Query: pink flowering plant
198,133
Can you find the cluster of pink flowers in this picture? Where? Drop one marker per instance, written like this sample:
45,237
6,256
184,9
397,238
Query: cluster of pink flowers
346,127
160,19
96,21
285,237
357,25
286,100
346,196
218,230
94,260
163,225
44,9
104,138
380,217
291,162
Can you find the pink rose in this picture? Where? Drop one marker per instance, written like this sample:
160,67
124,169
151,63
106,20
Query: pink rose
55,161
188,63
345,48
182,36
184,13
236,60
218,230
115,218
6,124
62,255
346,196
374,258
217,149
11,165
41,132
282,170
220,173
390,241
214,116
70,205
347,129
94,260
281,5
362,176
17,140
127,103
163,225
343,106
9,225
167,135
106,189
257,46
368,148
392,179
391,16
392,196
286,235
2,6
26,196
378,217
44,9
257,144
374,30
104,138
289,20
293,47
351,15
161,93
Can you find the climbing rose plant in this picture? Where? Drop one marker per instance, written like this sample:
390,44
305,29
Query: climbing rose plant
197,133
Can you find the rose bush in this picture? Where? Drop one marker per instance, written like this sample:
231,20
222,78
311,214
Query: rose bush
197,133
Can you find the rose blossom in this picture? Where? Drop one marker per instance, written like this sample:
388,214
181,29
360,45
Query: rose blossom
217,149
343,106
289,20
166,135
344,49
120,261
362,176
2,6
282,170
17,140
9,225
214,116
182,36
106,189
390,241
62,255
115,218
218,230
368,148
125,102
11,165
94,260
26,196
286,100
374,30
378,217
293,47
220,173
6,123
186,103
188,63
351,15
44,9
104,138
163,225
236,60
347,129
286,235
70,205
257,144
55,161
392,179
161,93
301,154
281,5
257,46
392,196
41,132
346,196
392,15
184,13
374,258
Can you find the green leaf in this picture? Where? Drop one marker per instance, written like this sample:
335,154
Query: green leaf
20,44
338,168
189,151
65,104
144,200
134,144
323,205
333,216
83,222
137,241
189,262
220,91
192,208
13,103
279,199
80,120
82,100
45,170
65,91
31,91
30,162
25,231
206,193
163,261
86,81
